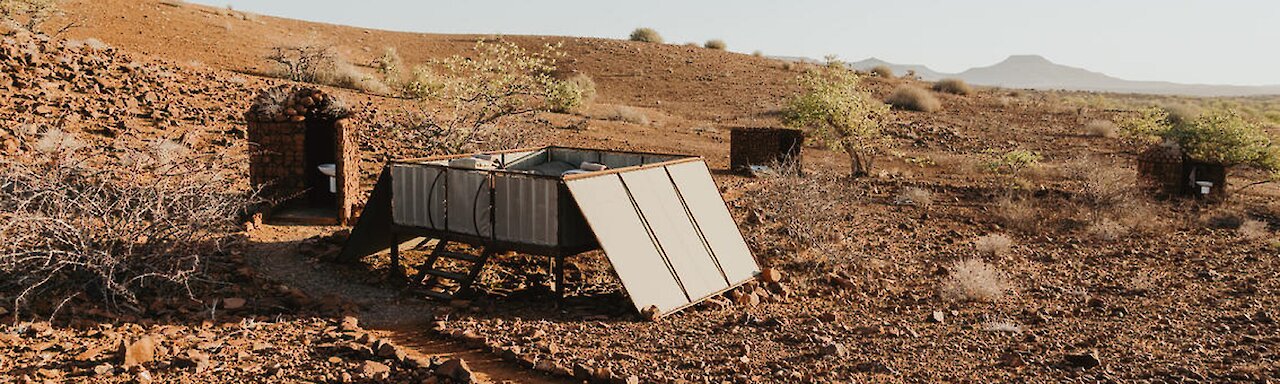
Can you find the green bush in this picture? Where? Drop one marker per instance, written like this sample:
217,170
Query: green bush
572,94
715,44
1217,136
953,86
647,35
914,98
838,111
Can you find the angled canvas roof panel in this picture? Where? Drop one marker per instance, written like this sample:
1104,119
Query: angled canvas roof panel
674,232
707,207
644,273
670,215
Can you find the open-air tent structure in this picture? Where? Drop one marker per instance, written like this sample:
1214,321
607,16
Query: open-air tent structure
658,217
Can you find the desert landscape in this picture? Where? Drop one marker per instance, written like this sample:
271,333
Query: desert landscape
935,230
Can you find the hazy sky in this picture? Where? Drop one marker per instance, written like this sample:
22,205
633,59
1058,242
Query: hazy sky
1218,42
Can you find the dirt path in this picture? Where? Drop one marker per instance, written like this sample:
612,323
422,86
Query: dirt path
273,252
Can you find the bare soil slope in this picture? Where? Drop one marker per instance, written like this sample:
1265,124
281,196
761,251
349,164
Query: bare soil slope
1177,296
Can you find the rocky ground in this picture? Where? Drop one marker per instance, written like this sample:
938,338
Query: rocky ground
1177,297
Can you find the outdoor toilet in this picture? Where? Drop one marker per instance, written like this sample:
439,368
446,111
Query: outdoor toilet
659,218
1166,171
303,157
764,147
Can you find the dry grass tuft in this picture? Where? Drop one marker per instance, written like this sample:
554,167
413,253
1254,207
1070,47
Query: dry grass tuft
1107,230
994,245
882,71
975,280
913,98
953,86
919,197
1019,214
627,114
1102,128
1253,230
647,35
715,44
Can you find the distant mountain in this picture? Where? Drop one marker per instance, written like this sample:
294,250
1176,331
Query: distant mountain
1037,72
924,72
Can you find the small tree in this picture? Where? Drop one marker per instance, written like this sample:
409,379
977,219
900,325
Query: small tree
1217,136
305,63
840,113
464,99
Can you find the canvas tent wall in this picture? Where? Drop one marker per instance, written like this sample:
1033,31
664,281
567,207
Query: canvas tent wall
658,217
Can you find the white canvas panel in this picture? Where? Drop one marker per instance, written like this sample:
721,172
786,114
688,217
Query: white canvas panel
694,182
626,243
671,225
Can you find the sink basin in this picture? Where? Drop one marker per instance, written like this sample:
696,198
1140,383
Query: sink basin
328,169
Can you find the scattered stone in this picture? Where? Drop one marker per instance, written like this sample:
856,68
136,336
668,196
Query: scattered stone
834,349
3,311
937,317
139,352
375,370
581,371
418,362
350,324
143,377
1086,360
651,313
455,369
193,359
841,281
335,360
771,275
390,351
103,369
233,303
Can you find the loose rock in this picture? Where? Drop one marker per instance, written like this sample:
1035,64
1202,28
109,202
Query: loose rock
455,369
138,352
1086,360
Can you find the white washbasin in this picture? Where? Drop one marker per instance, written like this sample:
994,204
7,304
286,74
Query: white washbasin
330,170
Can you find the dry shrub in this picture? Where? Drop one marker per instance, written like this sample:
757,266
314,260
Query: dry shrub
882,71
953,86
715,44
321,64
647,35
914,196
1102,128
975,280
627,114
1253,229
1102,187
1107,230
913,98
1019,214
757,53
76,219
993,245
796,210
